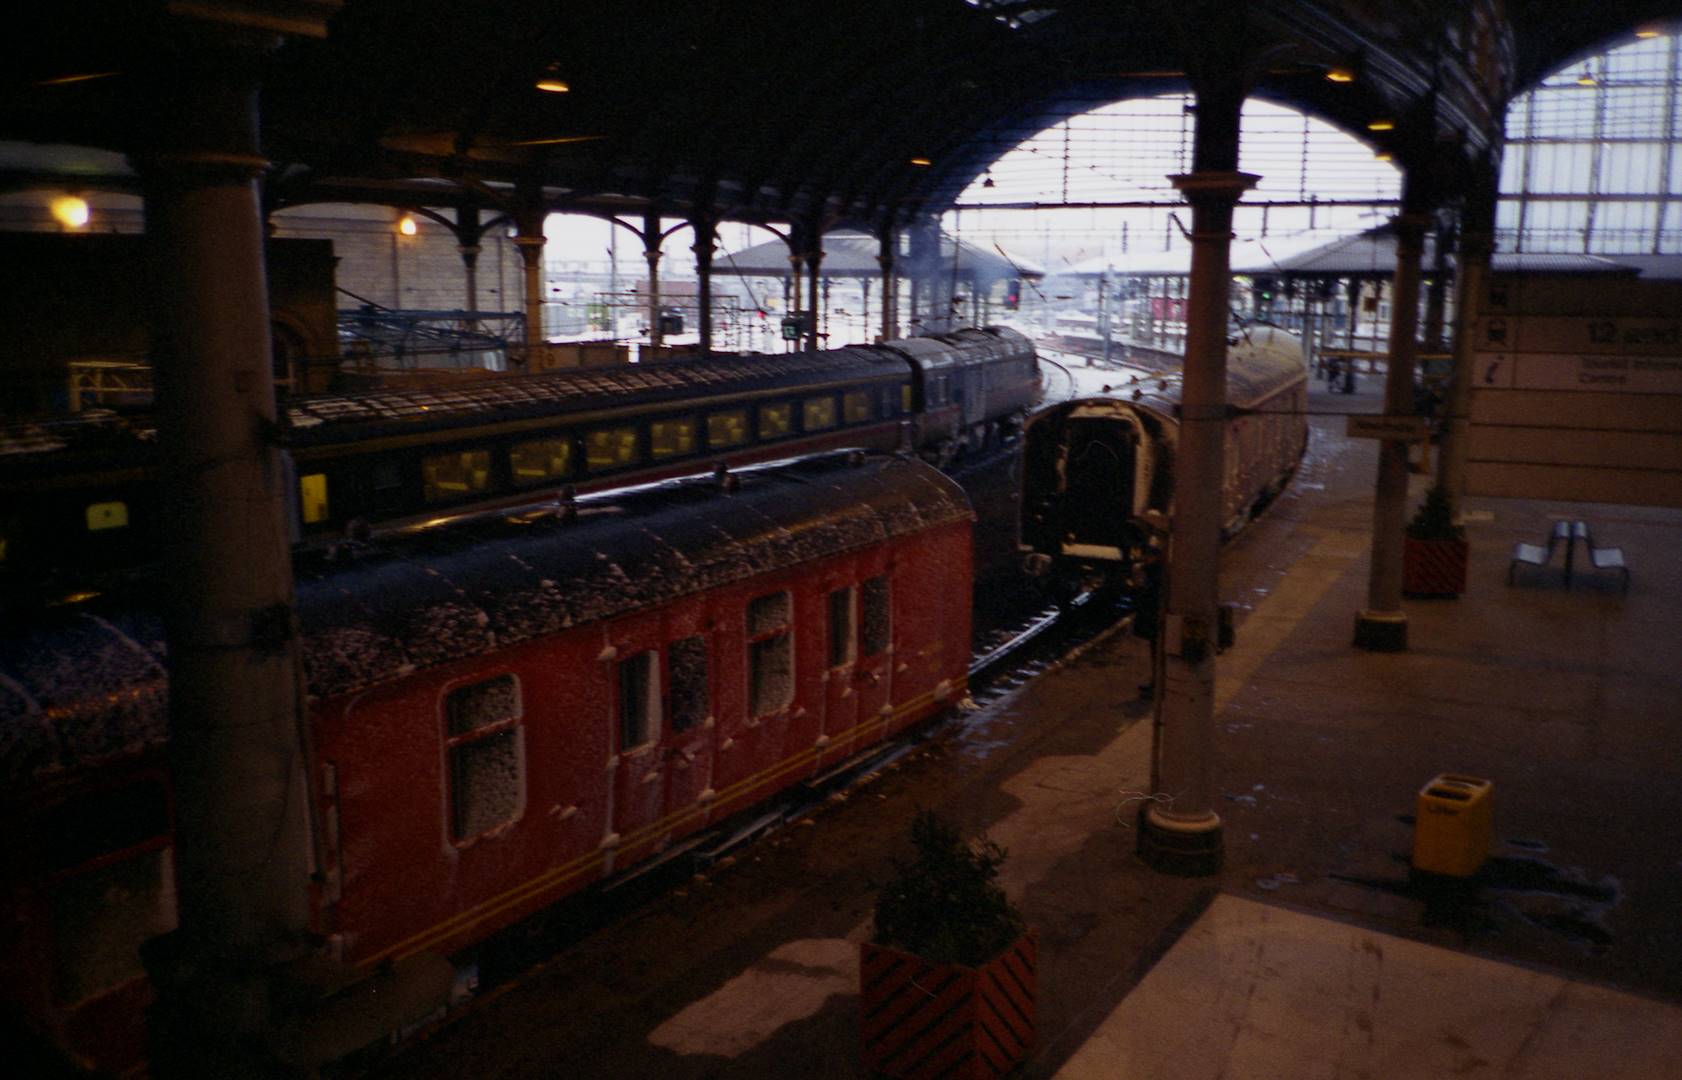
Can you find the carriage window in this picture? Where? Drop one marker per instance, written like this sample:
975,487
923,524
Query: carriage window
639,700
770,654
817,413
669,438
485,765
452,476
905,398
539,460
855,406
312,498
688,657
608,448
841,627
873,616
107,515
387,477
727,428
775,421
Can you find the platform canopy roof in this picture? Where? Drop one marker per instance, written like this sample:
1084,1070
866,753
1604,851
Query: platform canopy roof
870,112
853,255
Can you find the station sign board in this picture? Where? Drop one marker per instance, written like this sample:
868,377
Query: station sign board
1576,387
1403,428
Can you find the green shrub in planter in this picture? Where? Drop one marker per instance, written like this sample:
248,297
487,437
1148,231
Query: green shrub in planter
944,905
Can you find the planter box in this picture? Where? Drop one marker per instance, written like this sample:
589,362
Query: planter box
923,1019
1433,567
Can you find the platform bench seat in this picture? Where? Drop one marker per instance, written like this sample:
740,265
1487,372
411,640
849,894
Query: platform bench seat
1537,555
1601,558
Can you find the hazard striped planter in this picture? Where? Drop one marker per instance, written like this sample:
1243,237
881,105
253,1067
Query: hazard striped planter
1433,568
921,1020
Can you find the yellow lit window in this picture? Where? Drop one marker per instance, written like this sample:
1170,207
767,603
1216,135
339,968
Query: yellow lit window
855,406
539,460
905,398
312,497
607,448
727,428
817,413
670,438
455,475
775,421
107,515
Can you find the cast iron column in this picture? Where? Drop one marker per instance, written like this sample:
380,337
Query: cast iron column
814,260
528,224
706,240
1382,625
238,762
885,260
1179,830
468,232
1472,266
652,238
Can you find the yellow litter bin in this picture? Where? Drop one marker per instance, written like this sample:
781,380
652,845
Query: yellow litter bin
1454,825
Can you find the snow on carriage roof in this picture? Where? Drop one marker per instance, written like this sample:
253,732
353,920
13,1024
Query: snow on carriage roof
86,684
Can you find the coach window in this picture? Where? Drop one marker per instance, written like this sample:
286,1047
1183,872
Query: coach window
540,460
817,413
455,475
727,428
905,398
770,653
482,729
855,407
688,658
873,616
639,700
107,515
776,421
312,498
841,627
671,438
386,479
610,448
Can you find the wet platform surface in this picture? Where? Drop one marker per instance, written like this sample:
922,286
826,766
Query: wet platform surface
1564,955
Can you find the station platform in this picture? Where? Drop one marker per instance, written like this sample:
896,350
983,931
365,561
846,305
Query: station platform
1312,954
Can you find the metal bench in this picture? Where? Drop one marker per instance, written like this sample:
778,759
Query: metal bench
1539,556
1601,558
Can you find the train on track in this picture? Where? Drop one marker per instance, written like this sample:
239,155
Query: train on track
503,710
79,495
1098,465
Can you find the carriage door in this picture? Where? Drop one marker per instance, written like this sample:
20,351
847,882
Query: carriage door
1097,504
638,716
689,735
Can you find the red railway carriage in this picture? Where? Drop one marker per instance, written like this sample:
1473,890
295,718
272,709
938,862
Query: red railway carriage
503,711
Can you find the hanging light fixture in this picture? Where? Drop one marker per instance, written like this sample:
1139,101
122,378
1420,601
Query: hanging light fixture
70,211
1381,125
406,225
1340,75
1647,32
1586,78
922,161
551,82
987,182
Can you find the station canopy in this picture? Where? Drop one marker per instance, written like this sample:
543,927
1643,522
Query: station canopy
853,255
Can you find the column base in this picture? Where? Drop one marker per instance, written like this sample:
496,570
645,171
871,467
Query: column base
1381,631
1185,847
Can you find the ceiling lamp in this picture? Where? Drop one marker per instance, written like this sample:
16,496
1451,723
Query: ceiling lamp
1647,32
1586,79
1340,75
1383,155
922,161
406,225
987,182
70,211
1381,125
551,81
